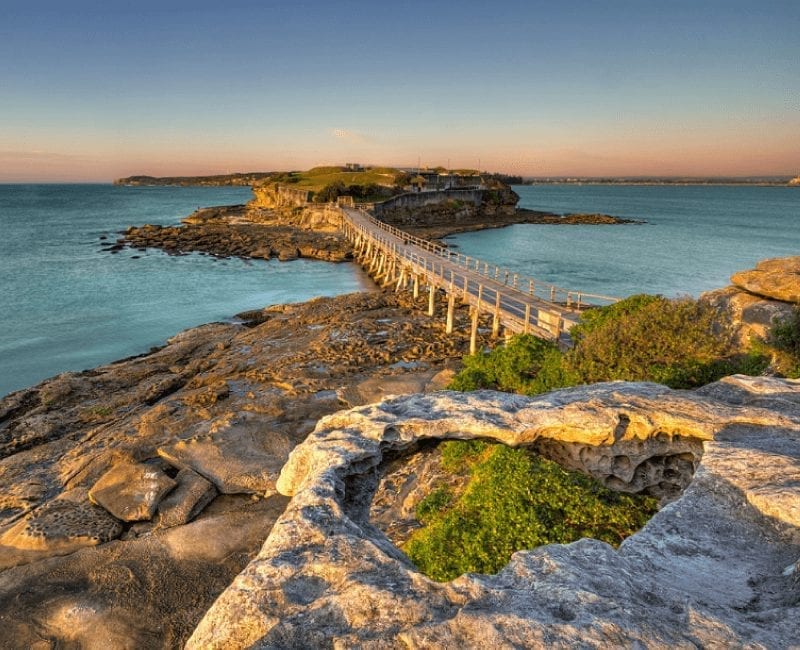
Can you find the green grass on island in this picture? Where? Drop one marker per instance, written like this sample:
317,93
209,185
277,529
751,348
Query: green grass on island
326,183
514,500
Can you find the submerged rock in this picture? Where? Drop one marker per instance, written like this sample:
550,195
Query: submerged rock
709,569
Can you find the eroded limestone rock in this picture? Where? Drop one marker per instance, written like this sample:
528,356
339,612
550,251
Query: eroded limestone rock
186,501
131,491
753,315
710,569
240,455
59,527
777,279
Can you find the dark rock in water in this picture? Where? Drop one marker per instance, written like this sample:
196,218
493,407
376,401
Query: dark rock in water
136,257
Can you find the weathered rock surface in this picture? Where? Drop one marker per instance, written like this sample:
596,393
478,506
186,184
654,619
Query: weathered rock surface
753,314
64,525
712,568
776,279
233,399
186,501
147,592
131,491
241,455
240,239
754,302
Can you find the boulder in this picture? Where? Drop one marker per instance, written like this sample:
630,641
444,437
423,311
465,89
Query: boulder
715,567
777,279
186,501
131,491
240,455
752,315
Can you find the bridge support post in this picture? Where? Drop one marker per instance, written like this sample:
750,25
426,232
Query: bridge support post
527,319
451,305
416,286
431,294
473,332
496,318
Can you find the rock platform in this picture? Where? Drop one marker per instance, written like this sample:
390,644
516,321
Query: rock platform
718,566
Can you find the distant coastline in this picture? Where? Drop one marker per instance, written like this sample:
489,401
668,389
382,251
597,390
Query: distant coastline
250,178
218,180
776,181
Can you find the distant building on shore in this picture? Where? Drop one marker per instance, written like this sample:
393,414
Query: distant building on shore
428,180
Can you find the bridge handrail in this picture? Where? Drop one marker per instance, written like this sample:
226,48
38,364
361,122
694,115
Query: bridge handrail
525,310
535,288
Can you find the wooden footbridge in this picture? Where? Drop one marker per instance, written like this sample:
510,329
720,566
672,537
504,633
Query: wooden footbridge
516,303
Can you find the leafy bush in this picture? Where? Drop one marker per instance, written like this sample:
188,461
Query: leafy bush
682,343
527,365
516,500
785,337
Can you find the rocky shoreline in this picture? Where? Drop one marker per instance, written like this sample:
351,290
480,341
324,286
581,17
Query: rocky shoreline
230,231
210,418
242,231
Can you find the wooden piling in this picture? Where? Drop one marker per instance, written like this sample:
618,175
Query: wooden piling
473,332
451,305
496,318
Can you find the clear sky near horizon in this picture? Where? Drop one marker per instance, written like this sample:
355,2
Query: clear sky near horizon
90,91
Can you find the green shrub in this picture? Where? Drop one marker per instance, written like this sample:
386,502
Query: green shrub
682,343
458,455
516,500
525,365
785,337
433,504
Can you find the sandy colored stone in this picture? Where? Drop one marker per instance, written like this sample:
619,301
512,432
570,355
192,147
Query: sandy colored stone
753,315
144,593
186,501
713,568
58,527
131,491
242,455
777,279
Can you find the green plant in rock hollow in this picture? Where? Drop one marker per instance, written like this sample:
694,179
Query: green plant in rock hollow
516,500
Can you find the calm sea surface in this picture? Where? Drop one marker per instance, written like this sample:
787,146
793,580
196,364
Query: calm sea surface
695,236
69,306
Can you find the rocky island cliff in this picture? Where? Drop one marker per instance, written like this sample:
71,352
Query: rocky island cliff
222,491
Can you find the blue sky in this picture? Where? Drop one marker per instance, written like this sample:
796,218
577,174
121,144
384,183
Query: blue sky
91,91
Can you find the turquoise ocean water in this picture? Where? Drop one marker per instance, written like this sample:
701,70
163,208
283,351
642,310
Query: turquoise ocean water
695,236
67,305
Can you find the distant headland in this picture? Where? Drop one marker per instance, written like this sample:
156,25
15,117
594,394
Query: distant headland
253,178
